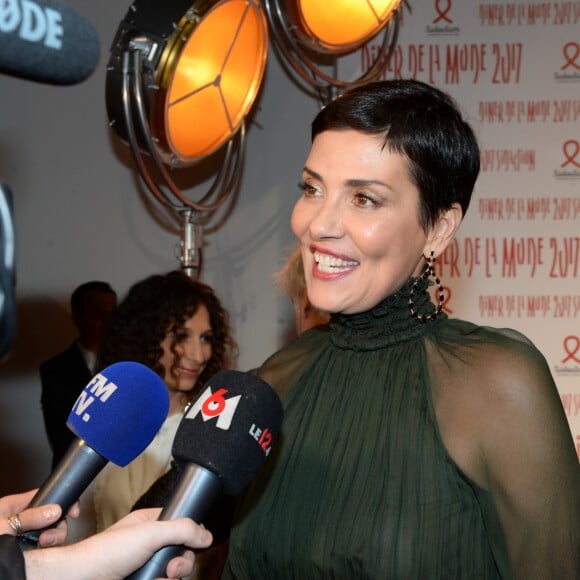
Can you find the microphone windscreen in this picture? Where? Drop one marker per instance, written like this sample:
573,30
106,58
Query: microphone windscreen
120,411
230,428
46,41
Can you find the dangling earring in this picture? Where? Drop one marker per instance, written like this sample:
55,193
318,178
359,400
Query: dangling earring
428,271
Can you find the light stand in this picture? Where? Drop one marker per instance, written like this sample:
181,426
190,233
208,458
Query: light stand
180,81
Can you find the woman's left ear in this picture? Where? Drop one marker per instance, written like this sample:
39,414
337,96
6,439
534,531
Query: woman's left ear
443,232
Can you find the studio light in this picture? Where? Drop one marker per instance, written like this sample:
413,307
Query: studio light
181,79
307,31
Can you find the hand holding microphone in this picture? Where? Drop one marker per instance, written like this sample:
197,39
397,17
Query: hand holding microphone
222,441
114,553
17,518
127,544
115,417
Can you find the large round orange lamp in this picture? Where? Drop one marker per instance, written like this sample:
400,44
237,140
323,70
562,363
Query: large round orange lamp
181,79
347,25
303,29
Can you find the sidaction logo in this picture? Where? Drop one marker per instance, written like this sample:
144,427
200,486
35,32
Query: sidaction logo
443,24
570,166
570,68
570,363
32,22
212,405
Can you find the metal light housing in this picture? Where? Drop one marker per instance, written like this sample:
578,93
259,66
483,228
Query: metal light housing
181,79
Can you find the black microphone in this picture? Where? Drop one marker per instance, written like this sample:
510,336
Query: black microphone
115,417
47,42
224,438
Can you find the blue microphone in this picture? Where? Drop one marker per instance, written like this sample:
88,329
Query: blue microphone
46,41
115,418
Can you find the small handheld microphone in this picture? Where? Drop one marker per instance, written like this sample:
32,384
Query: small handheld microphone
47,42
224,438
115,418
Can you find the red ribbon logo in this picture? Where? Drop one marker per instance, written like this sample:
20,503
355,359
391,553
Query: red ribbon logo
572,347
442,13
571,52
571,151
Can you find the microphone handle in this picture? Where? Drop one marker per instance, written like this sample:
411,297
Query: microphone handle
78,467
194,494
75,471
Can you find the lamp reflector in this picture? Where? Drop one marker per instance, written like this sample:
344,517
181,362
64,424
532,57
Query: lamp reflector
339,26
214,80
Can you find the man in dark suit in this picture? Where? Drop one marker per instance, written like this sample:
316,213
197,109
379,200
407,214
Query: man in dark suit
65,375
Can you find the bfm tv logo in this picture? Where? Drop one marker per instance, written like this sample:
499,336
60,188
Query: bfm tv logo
212,405
99,388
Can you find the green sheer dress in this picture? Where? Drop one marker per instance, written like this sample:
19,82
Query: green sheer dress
361,484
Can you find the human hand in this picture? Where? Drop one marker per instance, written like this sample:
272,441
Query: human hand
16,518
121,549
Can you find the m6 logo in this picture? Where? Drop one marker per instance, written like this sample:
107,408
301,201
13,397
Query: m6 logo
212,405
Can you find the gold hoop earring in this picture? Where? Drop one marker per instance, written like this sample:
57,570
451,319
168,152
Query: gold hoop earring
428,271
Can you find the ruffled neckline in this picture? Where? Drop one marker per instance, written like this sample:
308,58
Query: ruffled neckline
389,322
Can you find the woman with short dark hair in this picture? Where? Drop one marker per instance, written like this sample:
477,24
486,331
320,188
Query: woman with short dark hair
414,446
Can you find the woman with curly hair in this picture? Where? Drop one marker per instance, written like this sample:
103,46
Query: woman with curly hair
176,326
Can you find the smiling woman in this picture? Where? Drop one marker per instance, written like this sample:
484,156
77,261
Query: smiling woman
413,446
357,222
176,326
185,355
